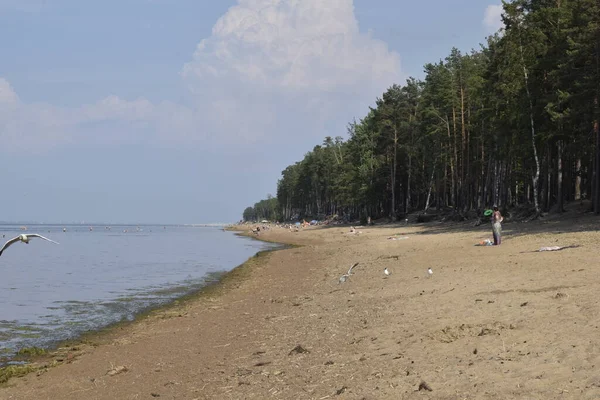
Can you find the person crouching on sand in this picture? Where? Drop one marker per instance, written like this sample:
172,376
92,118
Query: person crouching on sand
497,219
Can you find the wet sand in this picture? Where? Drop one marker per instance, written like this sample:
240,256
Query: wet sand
502,322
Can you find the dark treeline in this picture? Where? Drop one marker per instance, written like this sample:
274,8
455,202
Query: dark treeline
265,209
514,124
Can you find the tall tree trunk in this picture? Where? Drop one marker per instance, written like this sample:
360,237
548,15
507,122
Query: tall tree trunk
407,199
446,121
480,201
411,118
536,175
597,169
393,180
430,186
596,125
445,184
483,169
496,183
559,178
456,186
463,147
506,184
486,185
547,183
438,187
578,180
590,187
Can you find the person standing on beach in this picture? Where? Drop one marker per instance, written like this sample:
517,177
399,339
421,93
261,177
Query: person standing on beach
497,219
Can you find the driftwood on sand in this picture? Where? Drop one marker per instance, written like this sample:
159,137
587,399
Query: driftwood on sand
558,248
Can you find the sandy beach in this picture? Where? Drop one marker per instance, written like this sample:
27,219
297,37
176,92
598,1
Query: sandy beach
503,322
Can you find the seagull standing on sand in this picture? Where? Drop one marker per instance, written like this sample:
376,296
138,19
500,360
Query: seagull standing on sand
430,272
25,238
386,272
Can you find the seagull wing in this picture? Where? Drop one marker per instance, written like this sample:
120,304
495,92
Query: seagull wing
41,237
350,270
7,244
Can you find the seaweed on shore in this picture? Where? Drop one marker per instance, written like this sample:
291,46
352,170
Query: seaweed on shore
13,371
31,351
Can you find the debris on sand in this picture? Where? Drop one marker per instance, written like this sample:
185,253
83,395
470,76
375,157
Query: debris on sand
117,370
424,386
298,350
558,248
353,231
397,238
262,363
243,372
341,390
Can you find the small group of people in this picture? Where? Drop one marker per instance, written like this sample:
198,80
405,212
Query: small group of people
257,230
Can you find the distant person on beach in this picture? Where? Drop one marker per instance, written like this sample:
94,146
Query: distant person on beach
497,219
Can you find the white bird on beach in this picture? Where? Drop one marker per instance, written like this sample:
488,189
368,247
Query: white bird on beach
345,277
430,272
25,239
386,272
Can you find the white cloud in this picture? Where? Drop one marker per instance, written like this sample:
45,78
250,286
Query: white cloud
7,93
271,70
304,61
492,19
312,45
113,107
35,127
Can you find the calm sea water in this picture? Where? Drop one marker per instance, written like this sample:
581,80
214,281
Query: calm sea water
95,278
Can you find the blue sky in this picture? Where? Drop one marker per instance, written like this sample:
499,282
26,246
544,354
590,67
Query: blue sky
186,111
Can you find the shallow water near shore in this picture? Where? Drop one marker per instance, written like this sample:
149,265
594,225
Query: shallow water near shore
94,278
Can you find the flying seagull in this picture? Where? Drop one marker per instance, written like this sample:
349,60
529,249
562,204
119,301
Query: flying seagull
25,239
352,267
344,277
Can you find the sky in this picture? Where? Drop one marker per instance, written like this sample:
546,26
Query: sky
187,111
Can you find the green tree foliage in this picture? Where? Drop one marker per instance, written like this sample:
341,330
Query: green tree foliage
513,123
267,209
249,214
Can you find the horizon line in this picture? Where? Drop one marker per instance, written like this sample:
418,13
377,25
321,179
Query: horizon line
112,224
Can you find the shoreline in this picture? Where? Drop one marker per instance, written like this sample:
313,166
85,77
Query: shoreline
31,359
498,322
